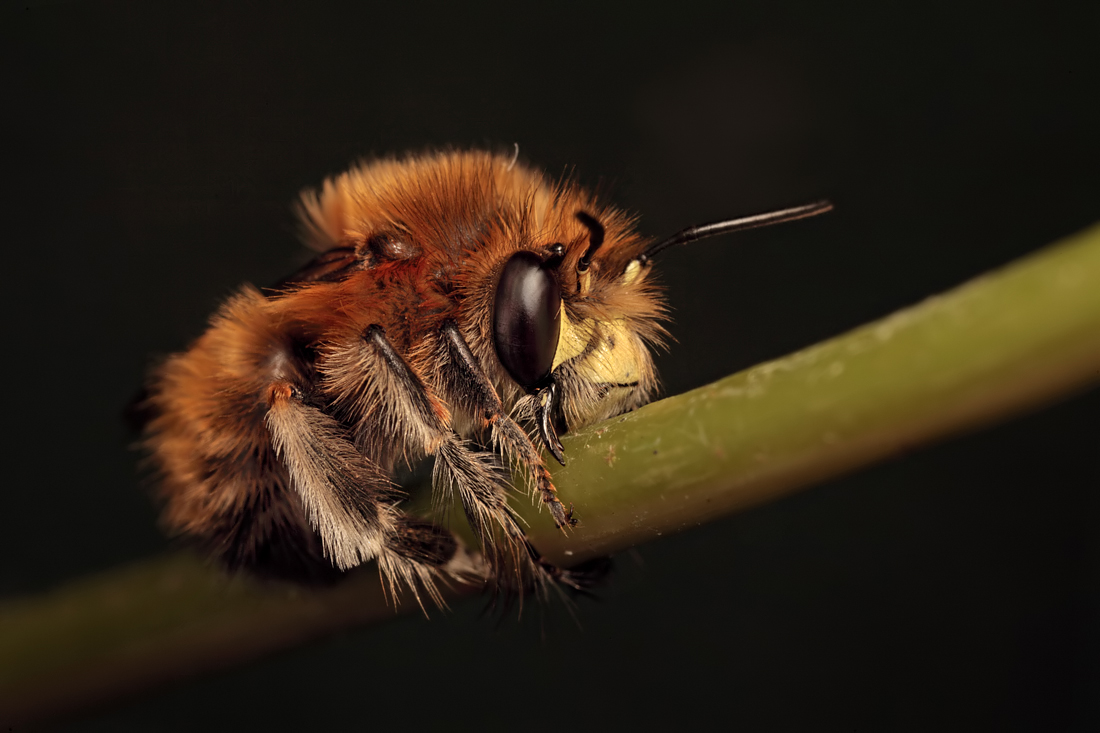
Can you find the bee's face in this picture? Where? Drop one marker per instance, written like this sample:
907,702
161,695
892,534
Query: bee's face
568,333
605,361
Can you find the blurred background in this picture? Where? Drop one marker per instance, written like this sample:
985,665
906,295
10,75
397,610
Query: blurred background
154,150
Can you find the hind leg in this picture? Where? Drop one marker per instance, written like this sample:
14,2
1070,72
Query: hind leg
349,501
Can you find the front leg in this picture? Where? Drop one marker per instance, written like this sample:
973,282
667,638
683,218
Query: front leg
469,386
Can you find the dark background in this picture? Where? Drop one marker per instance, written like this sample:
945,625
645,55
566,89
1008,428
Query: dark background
155,150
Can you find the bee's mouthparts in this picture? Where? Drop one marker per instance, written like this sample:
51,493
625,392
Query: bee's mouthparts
547,399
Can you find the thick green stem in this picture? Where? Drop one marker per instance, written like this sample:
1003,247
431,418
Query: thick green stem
1000,344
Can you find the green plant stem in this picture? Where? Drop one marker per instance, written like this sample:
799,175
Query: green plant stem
1005,342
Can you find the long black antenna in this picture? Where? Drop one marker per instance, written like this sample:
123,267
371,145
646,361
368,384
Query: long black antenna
703,231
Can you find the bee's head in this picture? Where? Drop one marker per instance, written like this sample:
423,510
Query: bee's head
572,329
571,325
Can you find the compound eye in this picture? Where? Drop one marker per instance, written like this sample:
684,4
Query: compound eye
527,319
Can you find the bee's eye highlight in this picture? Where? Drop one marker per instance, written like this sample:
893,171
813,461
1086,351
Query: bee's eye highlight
527,319
555,256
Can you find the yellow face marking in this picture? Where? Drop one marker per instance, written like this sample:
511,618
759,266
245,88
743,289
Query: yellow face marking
572,340
617,358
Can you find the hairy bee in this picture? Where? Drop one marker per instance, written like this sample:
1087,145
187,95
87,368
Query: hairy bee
462,307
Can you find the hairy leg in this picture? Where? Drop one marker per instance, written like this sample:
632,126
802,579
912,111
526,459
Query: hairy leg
349,500
467,383
375,388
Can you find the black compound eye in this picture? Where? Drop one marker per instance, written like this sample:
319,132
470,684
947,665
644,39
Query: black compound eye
527,319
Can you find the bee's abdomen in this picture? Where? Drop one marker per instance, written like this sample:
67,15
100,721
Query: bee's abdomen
222,485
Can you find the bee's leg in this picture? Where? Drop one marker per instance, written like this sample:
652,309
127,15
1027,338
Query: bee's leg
394,395
349,500
468,385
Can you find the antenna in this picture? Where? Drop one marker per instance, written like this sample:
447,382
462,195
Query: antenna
703,231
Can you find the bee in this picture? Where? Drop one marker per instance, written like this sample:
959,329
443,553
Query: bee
461,306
